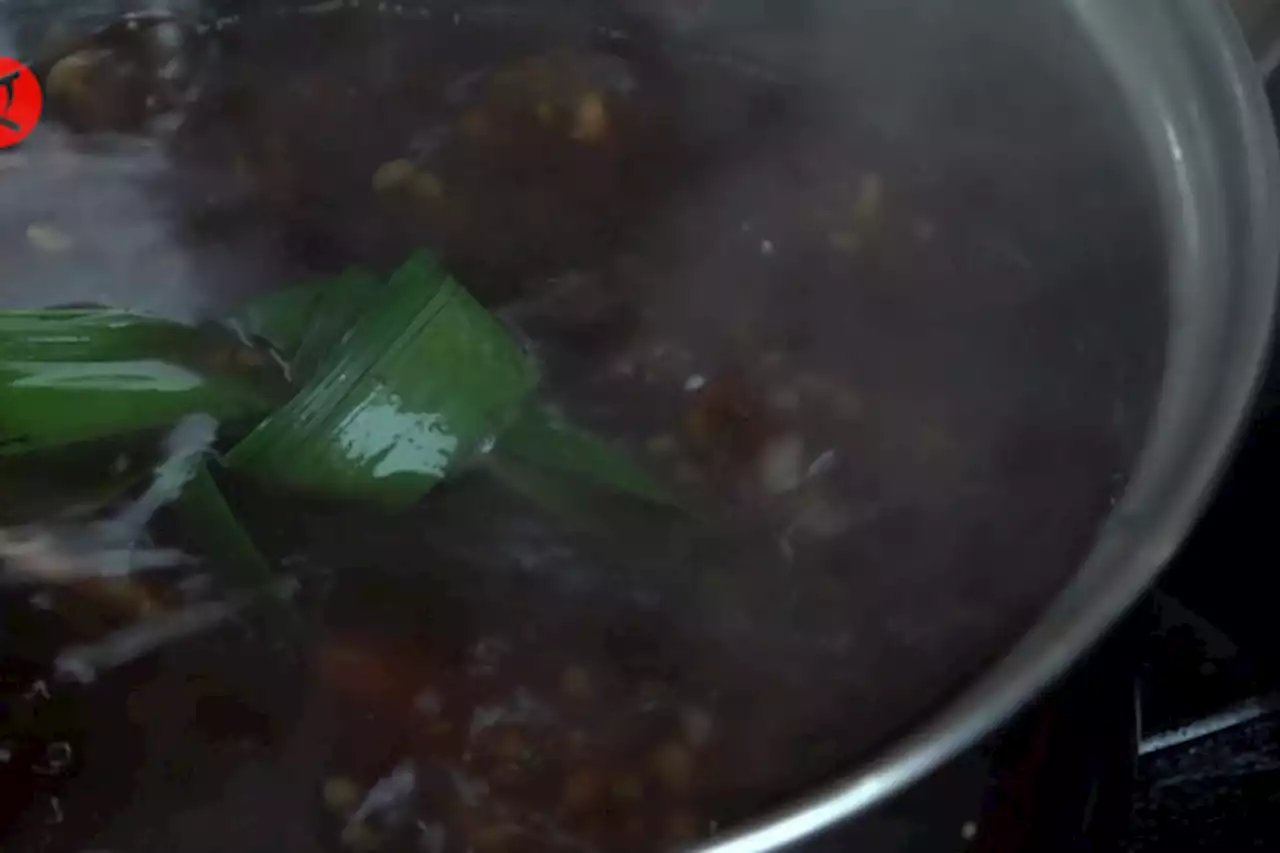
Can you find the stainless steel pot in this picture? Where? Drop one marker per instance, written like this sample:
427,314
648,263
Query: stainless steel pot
1127,145
1193,85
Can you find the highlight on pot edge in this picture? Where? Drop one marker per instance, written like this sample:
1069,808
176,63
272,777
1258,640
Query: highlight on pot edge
488,434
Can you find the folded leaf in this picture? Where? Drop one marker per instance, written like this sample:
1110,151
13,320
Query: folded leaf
280,318
389,389
424,379
305,323
341,305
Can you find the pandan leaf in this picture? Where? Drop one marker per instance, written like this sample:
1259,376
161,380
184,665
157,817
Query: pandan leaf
208,519
581,504
63,402
47,404
542,437
424,379
342,303
70,376
305,323
280,318
85,335
646,542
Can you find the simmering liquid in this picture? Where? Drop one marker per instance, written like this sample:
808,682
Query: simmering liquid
838,348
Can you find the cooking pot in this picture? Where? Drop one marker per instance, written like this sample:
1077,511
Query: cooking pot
1099,182
1176,476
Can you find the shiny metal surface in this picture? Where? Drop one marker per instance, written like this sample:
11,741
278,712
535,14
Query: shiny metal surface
1193,86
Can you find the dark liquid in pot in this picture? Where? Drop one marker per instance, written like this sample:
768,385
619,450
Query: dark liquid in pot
911,404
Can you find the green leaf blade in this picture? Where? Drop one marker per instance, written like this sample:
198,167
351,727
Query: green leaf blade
544,438
305,322
74,334
70,376
424,379
206,511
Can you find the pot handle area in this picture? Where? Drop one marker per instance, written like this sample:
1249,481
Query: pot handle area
1260,20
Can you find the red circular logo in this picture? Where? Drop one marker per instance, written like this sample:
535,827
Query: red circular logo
20,101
